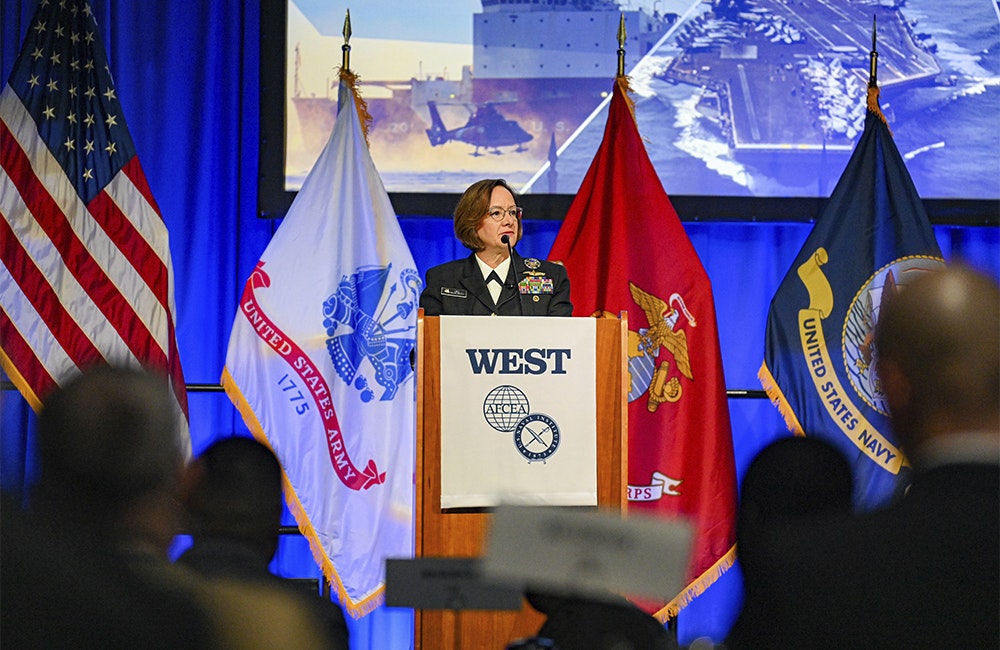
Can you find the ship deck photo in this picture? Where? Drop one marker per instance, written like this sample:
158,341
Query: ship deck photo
791,75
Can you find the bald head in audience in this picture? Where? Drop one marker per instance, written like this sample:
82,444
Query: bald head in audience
938,345
110,453
921,572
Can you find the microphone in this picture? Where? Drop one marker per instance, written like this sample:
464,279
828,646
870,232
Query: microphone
510,252
505,239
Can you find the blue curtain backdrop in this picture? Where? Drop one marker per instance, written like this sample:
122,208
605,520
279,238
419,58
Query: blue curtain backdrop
187,76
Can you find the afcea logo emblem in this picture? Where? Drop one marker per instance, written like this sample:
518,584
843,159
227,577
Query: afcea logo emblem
535,435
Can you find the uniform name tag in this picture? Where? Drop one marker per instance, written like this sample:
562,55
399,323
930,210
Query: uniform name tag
454,293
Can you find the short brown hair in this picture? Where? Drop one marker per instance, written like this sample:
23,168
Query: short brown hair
472,208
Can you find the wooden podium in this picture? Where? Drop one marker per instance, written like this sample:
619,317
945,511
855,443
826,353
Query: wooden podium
463,532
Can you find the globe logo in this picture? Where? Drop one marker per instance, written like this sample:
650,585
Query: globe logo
504,407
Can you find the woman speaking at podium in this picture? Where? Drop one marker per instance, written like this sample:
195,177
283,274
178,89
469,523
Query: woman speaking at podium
494,280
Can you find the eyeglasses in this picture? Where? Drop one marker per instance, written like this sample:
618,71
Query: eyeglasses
496,214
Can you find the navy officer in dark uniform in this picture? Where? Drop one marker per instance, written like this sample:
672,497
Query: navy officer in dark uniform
494,280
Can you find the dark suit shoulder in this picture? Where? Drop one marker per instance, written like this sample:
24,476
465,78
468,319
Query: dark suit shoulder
448,269
553,268
443,291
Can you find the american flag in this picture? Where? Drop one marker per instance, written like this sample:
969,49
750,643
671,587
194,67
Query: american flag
86,276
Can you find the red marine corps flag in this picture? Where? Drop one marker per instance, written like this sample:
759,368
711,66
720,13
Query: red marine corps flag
625,250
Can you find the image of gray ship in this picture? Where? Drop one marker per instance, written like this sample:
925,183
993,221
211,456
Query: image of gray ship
539,68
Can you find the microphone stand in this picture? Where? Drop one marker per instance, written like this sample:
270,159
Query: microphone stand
510,253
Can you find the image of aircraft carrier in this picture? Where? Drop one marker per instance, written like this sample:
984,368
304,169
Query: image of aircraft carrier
791,75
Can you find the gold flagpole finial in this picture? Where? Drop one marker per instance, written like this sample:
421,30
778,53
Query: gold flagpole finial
352,80
873,90
873,60
621,46
621,80
345,61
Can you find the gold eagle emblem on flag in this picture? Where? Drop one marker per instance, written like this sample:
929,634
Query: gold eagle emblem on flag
645,345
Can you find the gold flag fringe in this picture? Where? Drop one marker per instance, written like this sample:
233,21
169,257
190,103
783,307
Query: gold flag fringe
20,382
778,399
356,610
353,81
873,93
624,82
697,587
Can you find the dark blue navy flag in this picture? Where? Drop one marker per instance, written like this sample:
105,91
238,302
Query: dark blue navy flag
872,239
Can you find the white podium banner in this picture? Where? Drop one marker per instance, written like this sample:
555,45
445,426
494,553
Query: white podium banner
518,411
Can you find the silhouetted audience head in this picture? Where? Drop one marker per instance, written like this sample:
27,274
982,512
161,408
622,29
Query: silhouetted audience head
236,494
795,477
109,449
790,482
110,462
585,623
234,504
938,347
